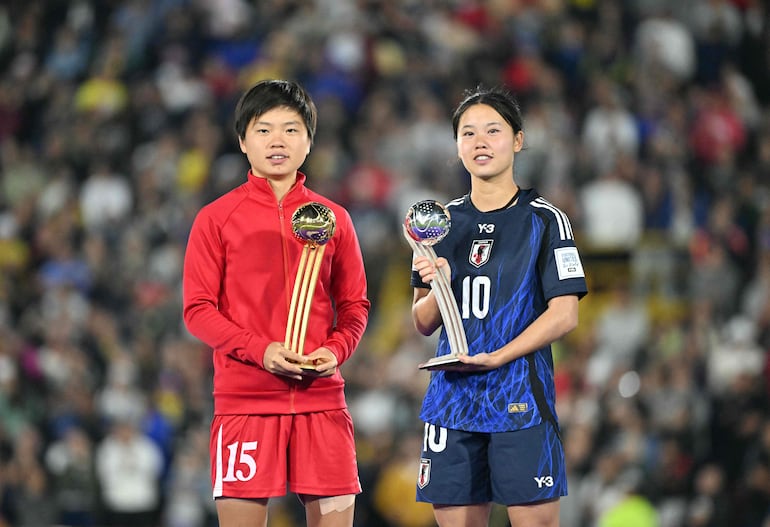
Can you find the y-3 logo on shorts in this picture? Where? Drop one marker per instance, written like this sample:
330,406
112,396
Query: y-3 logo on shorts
544,481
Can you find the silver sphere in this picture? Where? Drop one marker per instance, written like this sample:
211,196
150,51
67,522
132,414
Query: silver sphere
314,223
427,222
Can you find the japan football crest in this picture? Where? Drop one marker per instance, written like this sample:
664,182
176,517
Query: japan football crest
423,478
480,251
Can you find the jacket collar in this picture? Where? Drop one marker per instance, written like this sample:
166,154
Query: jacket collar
262,186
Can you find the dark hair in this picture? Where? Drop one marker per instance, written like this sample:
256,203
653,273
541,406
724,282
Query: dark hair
500,99
268,94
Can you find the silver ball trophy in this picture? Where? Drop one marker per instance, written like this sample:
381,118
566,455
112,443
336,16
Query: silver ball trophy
314,224
426,223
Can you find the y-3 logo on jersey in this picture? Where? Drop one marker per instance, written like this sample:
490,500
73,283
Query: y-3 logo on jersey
544,481
488,228
480,251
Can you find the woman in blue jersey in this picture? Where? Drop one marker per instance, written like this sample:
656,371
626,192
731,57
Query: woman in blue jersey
491,431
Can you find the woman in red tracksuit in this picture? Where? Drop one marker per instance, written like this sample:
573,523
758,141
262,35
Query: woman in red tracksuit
275,425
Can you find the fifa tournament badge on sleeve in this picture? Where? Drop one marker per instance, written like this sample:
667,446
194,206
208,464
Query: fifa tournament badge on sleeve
427,222
313,224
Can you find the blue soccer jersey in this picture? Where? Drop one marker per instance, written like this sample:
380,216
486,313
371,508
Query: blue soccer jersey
506,265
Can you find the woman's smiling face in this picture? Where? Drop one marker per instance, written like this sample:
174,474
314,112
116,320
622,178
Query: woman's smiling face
486,143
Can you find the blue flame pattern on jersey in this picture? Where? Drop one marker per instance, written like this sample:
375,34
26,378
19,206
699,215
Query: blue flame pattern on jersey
519,277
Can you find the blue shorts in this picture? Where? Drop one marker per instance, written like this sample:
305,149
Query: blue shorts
509,468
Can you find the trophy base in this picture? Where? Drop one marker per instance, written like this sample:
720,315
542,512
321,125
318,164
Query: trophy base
444,362
308,369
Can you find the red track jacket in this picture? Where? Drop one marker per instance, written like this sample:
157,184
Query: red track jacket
239,270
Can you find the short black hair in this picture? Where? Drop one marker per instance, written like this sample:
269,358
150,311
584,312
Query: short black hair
502,100
271,93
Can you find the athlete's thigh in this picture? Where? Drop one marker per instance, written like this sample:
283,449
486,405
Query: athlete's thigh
248,455
453,467
527,466
235,512
322,454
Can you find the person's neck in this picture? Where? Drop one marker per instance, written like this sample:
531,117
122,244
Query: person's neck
490,198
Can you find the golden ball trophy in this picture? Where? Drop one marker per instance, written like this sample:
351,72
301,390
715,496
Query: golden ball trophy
314,224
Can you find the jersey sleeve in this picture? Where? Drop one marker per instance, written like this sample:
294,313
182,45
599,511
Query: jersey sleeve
561,268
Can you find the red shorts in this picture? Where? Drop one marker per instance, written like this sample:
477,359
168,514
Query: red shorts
261,456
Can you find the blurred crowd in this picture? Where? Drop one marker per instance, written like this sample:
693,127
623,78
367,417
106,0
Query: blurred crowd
647,121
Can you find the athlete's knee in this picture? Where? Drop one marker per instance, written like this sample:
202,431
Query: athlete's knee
336,503
330,504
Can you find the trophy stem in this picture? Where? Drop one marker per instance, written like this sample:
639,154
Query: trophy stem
295,297
316,256
449,310
299,315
